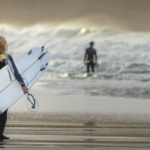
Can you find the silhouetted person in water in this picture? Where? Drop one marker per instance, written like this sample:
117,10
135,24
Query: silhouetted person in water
90,58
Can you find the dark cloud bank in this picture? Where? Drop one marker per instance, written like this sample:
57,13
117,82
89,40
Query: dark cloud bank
124,14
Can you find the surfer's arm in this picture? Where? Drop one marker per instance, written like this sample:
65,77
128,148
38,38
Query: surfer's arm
17,74
85,57
95,55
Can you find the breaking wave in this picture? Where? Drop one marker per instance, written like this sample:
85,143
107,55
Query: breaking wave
122,56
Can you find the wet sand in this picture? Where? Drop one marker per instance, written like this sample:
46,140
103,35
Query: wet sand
72,135
78,123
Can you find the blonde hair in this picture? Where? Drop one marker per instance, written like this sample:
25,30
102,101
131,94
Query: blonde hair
4,45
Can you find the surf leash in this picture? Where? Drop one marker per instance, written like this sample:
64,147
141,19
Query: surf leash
33,102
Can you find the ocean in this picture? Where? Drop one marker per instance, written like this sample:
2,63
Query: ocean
123,68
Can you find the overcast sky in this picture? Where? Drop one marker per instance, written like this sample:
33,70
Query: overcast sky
123,14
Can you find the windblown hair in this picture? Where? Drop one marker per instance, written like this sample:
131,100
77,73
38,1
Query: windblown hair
4,45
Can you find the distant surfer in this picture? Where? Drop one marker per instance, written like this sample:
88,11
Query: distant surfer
3,60
90,58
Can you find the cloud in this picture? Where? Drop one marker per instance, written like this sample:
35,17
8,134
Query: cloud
125,14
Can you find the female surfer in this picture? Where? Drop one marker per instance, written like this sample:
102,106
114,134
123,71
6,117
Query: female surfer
3,60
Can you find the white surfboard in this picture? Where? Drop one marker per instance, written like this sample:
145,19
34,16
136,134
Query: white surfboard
30,66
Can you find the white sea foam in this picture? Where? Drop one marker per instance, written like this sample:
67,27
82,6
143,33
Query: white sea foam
122,56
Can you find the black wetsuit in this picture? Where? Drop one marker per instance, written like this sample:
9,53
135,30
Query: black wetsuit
3,116
90,58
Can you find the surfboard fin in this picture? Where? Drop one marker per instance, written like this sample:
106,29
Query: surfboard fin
42,48
43,68
30,52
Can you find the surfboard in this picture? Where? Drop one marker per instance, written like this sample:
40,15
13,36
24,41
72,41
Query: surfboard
30,65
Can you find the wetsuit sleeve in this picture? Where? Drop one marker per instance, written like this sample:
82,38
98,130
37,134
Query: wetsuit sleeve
85,55
95,56
16,73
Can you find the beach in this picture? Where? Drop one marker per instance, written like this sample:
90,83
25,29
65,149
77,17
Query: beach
100,123
73,132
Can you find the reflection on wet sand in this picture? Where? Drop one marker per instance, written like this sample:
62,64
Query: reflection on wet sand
76,135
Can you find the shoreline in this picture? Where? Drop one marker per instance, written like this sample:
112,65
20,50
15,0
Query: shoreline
78,119
82,104
113,124
77,131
